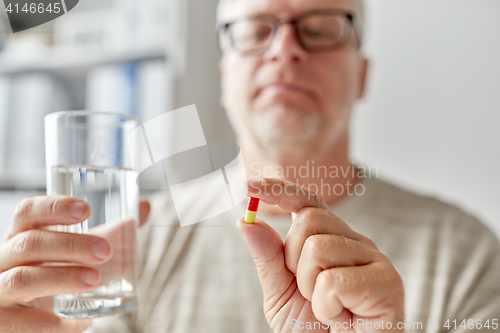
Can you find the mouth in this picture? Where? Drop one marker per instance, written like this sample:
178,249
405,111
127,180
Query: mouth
286,88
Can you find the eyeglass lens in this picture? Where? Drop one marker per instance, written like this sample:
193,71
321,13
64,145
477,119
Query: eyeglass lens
315,33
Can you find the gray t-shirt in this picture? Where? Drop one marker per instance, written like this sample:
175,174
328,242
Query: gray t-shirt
202,278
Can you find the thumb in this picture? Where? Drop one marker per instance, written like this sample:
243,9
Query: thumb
267,249
144,209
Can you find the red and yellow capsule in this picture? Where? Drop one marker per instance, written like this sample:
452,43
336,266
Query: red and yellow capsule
253,204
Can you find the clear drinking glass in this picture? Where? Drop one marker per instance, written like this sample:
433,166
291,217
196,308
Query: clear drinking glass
91,156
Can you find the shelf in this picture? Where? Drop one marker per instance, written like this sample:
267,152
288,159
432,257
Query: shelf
64,60
32,180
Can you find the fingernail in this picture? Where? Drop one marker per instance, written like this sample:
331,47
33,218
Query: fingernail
87,322
101,249
254,183
294,215
90,276
79,209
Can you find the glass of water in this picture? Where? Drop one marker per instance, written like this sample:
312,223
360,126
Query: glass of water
93,156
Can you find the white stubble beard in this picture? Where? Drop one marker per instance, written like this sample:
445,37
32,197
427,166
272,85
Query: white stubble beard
286,134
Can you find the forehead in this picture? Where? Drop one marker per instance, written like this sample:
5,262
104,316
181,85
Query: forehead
231,9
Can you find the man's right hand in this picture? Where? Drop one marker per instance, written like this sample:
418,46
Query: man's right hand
26,284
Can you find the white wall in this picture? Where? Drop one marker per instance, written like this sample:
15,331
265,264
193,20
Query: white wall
431,118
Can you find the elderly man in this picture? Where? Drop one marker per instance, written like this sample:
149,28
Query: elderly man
378,259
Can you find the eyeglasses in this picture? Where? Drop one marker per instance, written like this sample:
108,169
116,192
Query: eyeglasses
315,31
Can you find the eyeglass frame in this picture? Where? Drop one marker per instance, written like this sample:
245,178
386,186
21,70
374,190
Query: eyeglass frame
353,21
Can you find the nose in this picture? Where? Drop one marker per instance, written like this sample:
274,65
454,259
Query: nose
285,47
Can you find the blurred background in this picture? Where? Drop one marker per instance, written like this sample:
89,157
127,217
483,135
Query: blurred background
429,121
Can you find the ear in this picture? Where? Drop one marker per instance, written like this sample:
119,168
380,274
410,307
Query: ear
221,66
363,74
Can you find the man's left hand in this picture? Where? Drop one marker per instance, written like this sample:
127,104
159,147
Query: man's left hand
325,276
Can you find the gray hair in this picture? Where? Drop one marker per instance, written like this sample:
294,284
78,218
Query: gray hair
359,8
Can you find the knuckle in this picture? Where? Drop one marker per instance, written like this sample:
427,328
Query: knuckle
305,214
382,257
325,280
339,279
345,242
28,242
24,209
368,242
390,276
55,205
71,246
307,220
314,245
314,198
18,278
59,204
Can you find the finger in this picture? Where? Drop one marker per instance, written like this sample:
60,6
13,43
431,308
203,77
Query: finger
285,194
34,246
322,252
266,247
312,214
144,209
370,291
38,211
25,283
34,320
311,221
121,234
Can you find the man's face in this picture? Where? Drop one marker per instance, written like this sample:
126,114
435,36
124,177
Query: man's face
287,100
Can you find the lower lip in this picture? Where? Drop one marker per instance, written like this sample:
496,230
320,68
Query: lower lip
285,89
